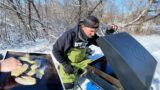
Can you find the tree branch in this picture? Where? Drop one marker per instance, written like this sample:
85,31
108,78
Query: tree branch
22,14
94,8
29,14
151,18
37,12
142,15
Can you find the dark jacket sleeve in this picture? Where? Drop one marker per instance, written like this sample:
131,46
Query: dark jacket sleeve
61,46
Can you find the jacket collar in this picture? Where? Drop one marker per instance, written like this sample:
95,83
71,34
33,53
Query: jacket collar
81,34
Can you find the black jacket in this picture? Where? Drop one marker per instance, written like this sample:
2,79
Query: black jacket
72,38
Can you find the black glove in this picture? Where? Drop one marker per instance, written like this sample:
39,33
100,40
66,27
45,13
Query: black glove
80,71
1,56
108,32
89,51
111,29
68,68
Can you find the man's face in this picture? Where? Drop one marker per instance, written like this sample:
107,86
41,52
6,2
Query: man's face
90,32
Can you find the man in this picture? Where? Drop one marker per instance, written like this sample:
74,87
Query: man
9,64
70,50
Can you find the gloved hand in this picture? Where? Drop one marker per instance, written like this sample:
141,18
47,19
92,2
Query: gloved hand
80,71
89,51
111,29
68,68
113,26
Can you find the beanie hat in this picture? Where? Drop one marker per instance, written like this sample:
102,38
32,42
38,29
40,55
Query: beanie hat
91,21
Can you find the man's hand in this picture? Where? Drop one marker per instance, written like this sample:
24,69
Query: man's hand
68,68
111,29
9,64
89,51
113,26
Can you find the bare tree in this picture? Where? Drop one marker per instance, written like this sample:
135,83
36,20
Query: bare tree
142,15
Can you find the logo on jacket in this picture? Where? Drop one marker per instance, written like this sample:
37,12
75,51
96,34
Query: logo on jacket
81,44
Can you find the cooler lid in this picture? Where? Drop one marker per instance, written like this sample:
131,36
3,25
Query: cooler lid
131,62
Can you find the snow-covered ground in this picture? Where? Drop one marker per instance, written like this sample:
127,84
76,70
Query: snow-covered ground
150,42
40,45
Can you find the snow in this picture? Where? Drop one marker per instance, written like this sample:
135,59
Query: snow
29,46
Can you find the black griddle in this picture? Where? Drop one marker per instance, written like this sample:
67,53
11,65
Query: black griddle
49,81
